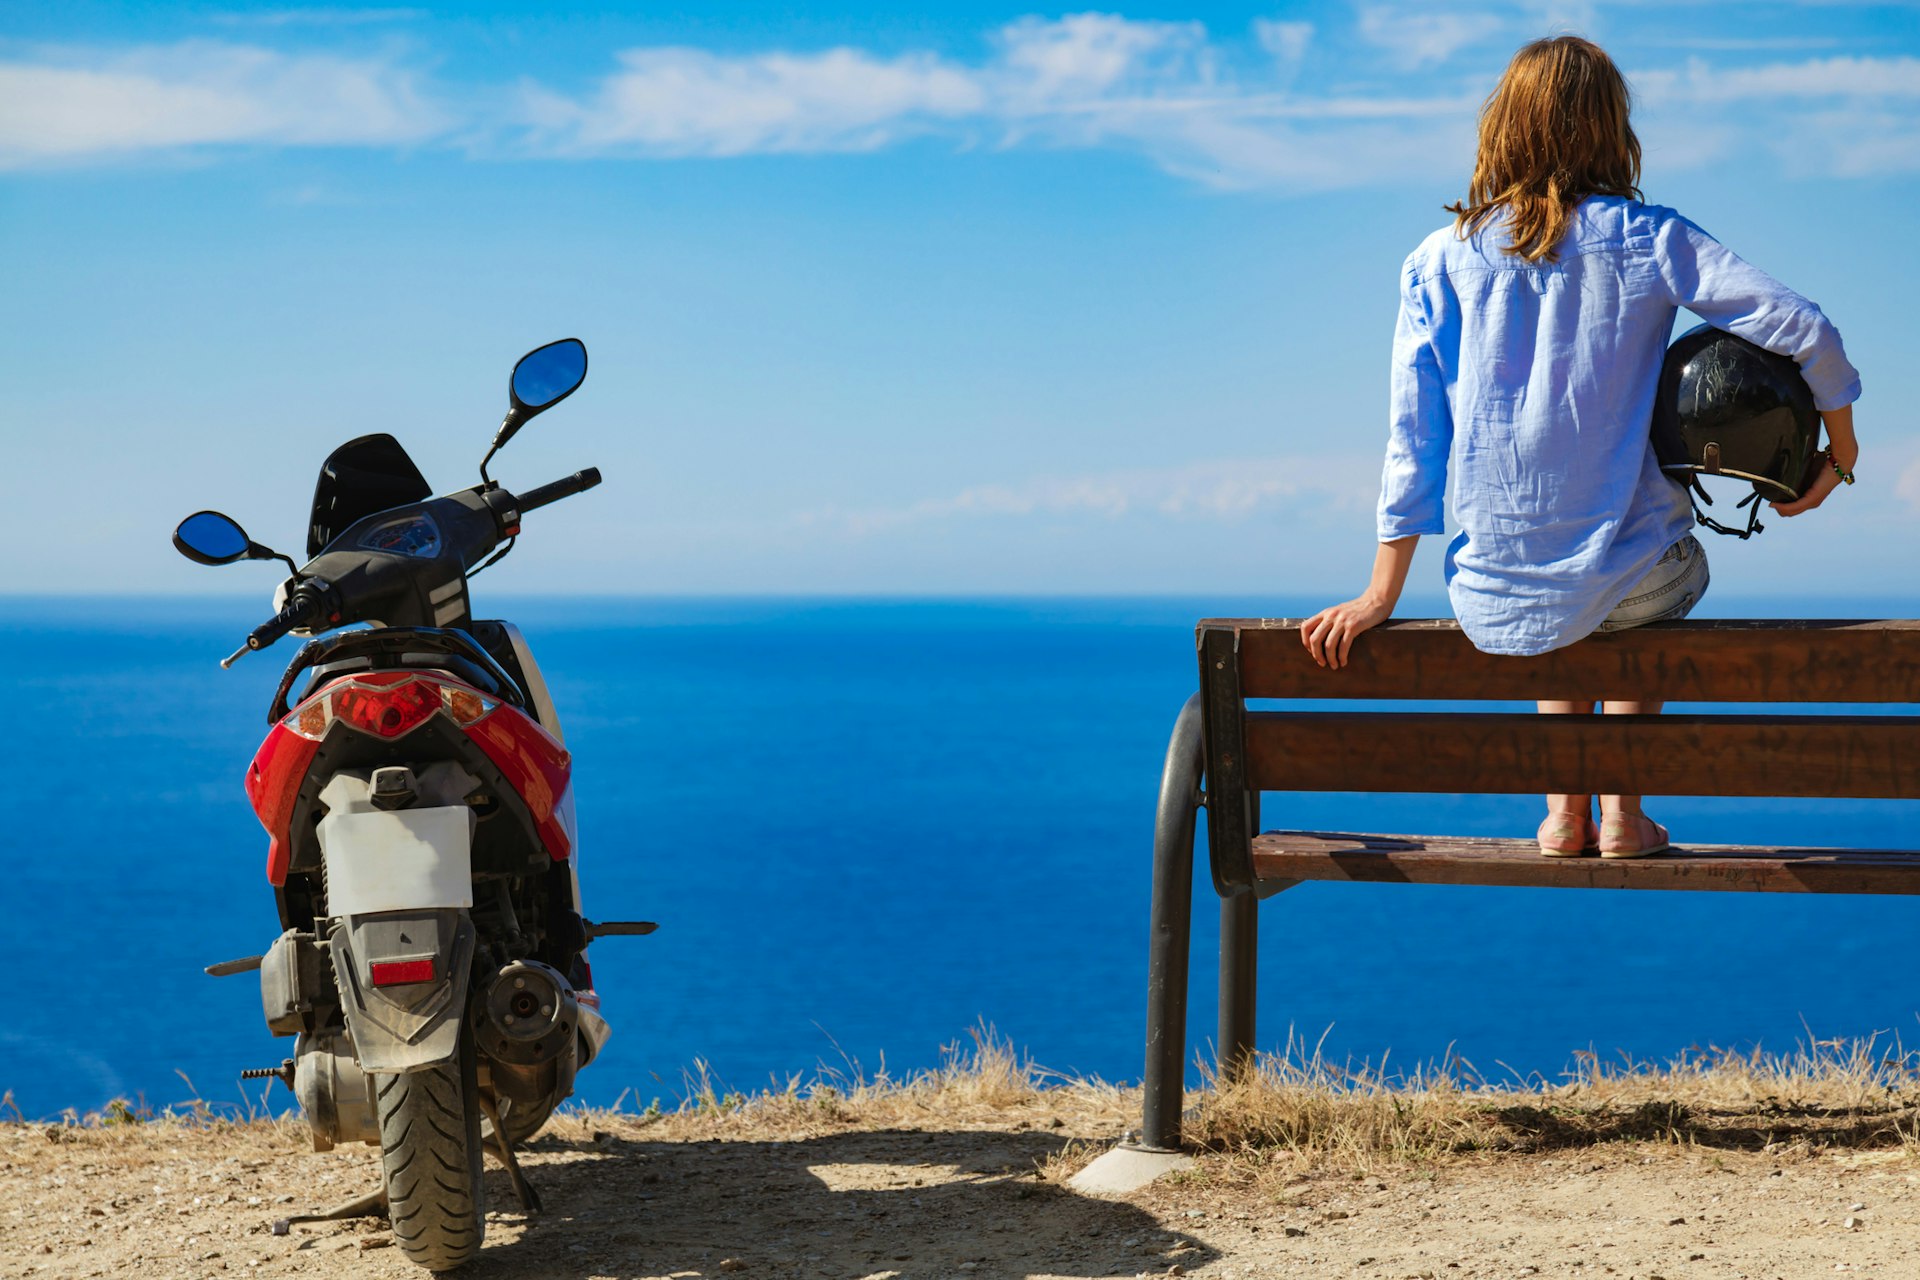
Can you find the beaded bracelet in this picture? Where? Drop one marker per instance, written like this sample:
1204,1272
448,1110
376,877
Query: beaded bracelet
1846,477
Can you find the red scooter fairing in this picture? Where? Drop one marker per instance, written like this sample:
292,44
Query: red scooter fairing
390,705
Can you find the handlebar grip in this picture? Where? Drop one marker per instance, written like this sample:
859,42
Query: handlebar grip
298,610
578,482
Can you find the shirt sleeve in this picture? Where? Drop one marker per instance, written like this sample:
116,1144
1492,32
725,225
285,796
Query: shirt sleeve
1413,484
1729,293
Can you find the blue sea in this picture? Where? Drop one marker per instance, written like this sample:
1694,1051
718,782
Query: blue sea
864,827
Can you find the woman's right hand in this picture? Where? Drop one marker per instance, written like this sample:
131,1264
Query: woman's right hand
1329,633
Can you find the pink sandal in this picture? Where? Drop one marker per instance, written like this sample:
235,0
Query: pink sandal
1631,835
1567,835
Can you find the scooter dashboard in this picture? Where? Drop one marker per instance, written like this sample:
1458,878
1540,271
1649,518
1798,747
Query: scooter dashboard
413,535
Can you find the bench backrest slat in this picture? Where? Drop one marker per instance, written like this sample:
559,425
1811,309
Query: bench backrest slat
1720,661
1866,757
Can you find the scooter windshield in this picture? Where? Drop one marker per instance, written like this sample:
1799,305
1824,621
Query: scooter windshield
372,473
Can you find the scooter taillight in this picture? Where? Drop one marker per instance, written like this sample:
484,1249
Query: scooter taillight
386,705
388,712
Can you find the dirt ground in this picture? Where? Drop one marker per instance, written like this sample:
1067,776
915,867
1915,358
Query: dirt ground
629,1198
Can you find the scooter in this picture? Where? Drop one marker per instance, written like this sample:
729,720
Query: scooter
421,840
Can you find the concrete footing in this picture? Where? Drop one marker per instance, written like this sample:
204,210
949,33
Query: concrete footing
1126,1169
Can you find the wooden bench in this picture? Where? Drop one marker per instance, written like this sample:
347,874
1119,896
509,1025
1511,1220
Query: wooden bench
1237,754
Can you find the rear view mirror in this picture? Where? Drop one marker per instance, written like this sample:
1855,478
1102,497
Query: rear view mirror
547,375
542,379
212,538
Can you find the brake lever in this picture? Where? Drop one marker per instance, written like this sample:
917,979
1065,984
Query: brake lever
235,656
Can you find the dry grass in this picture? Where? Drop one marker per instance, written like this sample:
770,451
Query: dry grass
1295,1109
982,1080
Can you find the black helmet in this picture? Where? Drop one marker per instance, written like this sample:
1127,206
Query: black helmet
1728,407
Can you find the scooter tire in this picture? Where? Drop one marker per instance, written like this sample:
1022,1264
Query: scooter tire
431,1155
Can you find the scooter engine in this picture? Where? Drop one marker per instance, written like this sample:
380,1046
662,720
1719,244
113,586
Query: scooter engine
335,1093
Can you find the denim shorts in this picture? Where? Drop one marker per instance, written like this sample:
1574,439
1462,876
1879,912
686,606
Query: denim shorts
1669,591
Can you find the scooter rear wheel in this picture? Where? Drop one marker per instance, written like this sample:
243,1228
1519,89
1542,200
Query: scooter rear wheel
430,1150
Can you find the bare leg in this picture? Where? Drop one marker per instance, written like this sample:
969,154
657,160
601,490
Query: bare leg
1571,804
1629,805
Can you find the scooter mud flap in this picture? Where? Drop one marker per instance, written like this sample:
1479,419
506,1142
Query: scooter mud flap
403,985
399,886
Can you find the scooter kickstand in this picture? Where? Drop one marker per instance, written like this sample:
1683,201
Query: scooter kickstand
371,1205
529,1198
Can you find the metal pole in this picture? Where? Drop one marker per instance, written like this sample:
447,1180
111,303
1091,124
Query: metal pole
1170,939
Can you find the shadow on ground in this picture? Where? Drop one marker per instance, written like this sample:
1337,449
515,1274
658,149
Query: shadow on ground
1537,1128
843,1205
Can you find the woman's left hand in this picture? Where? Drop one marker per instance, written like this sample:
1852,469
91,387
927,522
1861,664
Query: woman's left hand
1329,633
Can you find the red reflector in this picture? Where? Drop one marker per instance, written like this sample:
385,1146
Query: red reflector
397,973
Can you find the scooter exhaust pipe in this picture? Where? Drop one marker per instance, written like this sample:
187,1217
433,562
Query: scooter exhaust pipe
526,1020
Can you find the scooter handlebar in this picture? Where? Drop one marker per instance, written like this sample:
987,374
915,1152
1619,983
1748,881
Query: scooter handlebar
309,601
303,607
578,482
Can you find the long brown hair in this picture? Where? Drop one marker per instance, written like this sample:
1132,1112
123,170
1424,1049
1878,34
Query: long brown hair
1554,131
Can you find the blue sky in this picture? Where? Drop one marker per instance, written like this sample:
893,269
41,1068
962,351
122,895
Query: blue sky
983,299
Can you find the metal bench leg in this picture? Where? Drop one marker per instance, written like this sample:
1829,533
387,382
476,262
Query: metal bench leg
1169,943
1239,975
1239,966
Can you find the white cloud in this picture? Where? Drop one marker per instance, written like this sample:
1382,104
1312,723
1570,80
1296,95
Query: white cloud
1218,490
201,94
1907,486
1739,44
1559,17
690,102
1846,117
1225,113
1086,80
1052,76
1046,62
319,17
1865,143
1701,82
1415,38
1286,41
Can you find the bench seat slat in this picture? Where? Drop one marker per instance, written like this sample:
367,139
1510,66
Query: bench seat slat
1864,757
1717,661
1333,855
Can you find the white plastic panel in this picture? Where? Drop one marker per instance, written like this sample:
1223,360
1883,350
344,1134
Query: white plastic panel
402,860
542,707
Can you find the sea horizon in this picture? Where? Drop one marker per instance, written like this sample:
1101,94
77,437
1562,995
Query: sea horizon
865,825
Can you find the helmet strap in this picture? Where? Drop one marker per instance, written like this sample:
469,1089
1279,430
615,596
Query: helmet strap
1752,500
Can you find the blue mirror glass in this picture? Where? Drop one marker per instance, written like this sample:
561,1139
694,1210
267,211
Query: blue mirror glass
549,374
211,538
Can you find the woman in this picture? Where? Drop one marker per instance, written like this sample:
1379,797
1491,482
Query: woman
1526,359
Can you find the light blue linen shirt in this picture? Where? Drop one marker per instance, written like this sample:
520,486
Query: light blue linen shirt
1532,385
